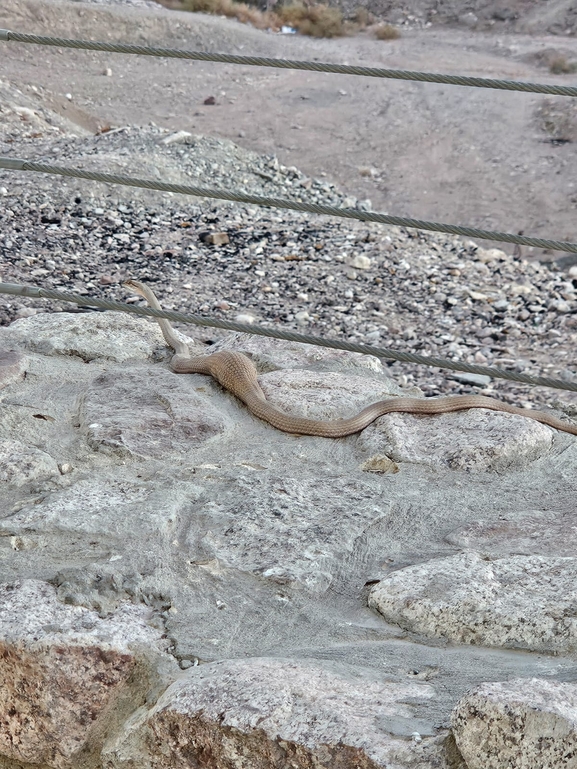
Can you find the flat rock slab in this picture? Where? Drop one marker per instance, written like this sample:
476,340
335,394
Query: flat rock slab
272,354
272,714
519,724
21,464
534,533
323,395
12,367
151,413
112,336
303,543
106,508
63,670
521,602
475,440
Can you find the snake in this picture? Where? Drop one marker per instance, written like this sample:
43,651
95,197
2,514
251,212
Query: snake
236,372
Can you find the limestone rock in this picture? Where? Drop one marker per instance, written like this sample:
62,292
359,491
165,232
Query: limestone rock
12,367
360,262
321,395
64,672
100,511
113,335
299,545
267,713
522,602
476,440
150,413
519,724
20,464
530,533
272,354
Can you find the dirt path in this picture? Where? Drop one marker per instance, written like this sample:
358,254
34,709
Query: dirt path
463,155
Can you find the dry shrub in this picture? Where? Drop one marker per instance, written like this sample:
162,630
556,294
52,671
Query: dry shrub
363,17
386,32
558,119
560,66
313,20
241,11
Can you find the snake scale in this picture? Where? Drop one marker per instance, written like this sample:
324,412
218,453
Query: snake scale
237,373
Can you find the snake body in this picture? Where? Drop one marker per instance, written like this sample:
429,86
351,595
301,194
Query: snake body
237,374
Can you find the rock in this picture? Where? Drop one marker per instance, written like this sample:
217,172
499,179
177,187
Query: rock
215,238
321,395
478,380
148,414
299,547
360,262
530,533
468,19
113,336
520,723
12,367
26,312
20,464
270,354
302,317
476,440
92,517
244,317
179,137
519,602
210,100
490,254
277,713
380,464
67,674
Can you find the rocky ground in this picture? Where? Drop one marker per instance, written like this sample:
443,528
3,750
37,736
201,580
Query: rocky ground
184,584
432,294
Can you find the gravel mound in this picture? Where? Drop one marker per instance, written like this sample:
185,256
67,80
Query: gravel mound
427,293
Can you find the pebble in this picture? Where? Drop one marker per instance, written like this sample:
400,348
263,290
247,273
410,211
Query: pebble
477,380
216,239
361,262
244,318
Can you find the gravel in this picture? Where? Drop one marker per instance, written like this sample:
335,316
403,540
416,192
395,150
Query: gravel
427,293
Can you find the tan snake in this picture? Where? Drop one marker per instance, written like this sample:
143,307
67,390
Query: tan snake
237,373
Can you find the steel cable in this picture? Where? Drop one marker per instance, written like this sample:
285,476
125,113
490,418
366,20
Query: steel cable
291,336
18,164
259,61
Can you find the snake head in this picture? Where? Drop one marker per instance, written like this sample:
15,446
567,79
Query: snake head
134,285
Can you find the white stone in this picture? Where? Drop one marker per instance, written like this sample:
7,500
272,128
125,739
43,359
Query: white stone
112,335
244,712
176,138
522,724
360,262
520,602
475,440
20,464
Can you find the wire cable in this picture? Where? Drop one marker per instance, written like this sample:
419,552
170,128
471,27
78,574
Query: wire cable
291,336
18,164
312,66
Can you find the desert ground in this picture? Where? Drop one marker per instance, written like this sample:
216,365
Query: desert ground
484,158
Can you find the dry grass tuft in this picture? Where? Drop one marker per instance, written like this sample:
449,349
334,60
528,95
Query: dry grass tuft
363,17
244,13
315,20
386,32
560,66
